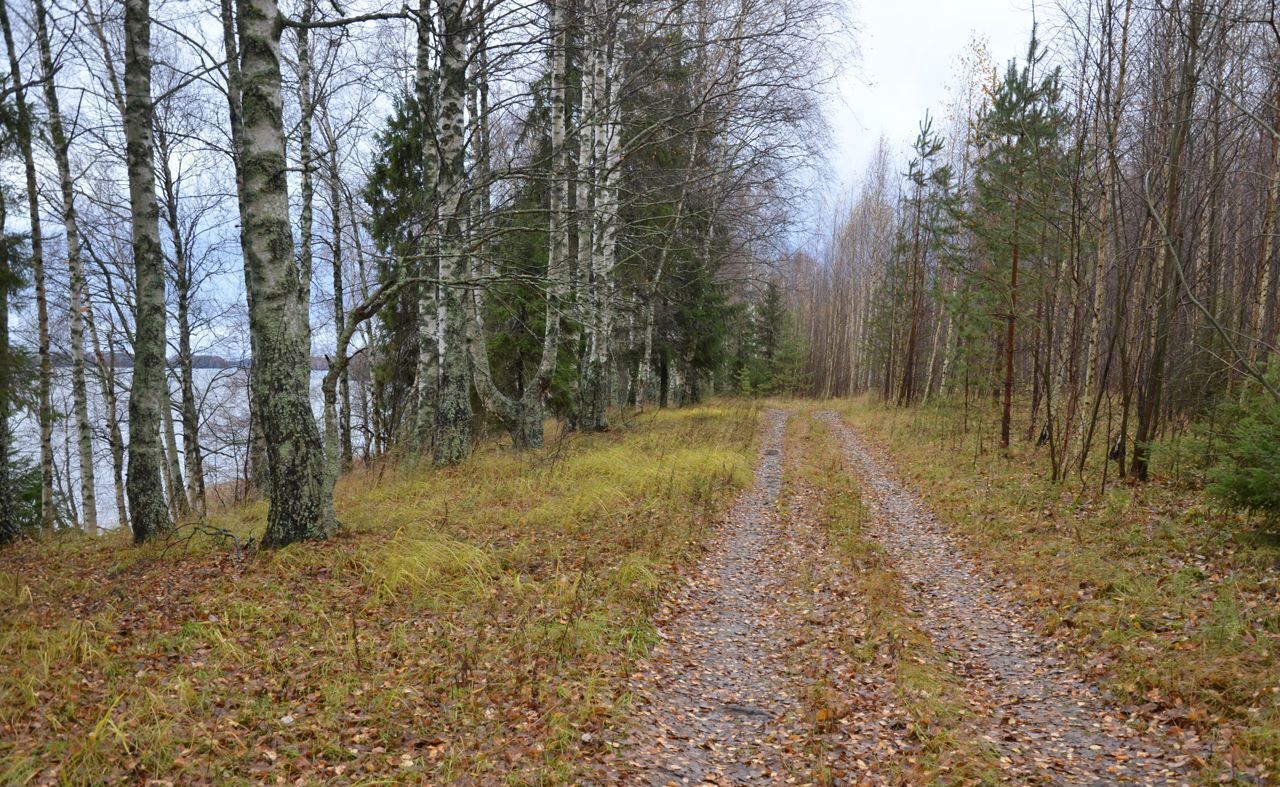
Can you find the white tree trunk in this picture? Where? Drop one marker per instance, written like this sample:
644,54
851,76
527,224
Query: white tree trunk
452,442
428,373
524,415
78,286
45,407
606,149
148,394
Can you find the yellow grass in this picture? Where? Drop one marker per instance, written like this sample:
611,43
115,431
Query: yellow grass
476,621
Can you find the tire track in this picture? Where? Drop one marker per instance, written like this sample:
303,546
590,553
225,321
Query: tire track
714,704
1048,721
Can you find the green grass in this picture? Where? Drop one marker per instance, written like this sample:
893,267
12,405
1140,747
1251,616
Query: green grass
472,622
1172,601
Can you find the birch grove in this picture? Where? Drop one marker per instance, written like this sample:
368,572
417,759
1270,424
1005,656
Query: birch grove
285,257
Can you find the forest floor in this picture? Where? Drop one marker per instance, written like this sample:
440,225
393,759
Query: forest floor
716,595
469,625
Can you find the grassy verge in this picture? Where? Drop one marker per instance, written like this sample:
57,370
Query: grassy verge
470,622
1173,602
884,636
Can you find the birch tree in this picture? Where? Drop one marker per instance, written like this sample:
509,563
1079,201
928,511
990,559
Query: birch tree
603,128
278,303
524,412
79,301
11,524
148,393
24,125
452,436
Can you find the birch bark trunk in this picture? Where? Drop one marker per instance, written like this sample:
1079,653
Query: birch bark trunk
334,181
183,285
428,373
453,411
301,507
594,394
1166,300
115,439
45,407
1093,384
10,527
256,441
78,287
150,515
524,414
179,506
306,155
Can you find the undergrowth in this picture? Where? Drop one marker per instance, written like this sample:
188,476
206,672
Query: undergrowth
475,622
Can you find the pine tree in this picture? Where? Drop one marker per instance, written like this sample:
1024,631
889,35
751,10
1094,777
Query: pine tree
1018,135
929,207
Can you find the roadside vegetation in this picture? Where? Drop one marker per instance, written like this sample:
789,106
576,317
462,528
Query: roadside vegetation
466,622
1166,594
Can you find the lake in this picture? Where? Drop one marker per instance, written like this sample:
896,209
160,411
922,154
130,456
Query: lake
222,399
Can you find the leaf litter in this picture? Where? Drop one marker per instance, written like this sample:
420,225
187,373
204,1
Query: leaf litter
750,683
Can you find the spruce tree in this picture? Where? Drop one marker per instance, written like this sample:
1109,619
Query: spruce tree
20,487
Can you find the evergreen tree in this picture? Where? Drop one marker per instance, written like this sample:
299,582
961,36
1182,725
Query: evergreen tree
1018,136
1246,473
929,206
401,212
769,357
19,481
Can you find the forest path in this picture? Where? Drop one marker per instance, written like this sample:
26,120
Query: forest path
1047,721
744,687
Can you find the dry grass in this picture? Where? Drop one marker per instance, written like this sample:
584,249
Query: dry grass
471,622
1172,601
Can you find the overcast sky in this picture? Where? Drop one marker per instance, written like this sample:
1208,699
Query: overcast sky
908,51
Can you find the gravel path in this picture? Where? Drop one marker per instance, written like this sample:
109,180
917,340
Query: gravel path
753,682
713,703
1049,722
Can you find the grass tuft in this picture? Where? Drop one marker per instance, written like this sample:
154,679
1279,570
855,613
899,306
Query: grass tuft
435,565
